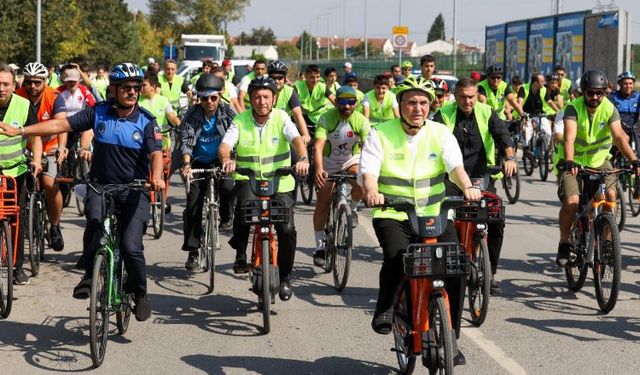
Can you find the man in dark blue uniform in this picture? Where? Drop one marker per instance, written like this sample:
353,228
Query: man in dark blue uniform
127,142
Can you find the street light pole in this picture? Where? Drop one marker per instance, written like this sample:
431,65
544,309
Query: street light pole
38,30
366,40
400,24
302,46
455,53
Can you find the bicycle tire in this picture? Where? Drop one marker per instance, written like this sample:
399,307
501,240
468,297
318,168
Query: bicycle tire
157,214
306,187
634,204
79,205
621,208
265,248
123,316
479,283
98,310
401,327
543,162
329,243
439,322
33,235
343,246
607,258
512,192
212,232
6,271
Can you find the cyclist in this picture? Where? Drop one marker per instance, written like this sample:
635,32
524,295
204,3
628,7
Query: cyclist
347,68
287,98
314,96
516,83
533,99
406,69
207,65
127,145
18,113
441,93
258,70
422,150
76,96
627,101
331,79
54,79
478,130
339,134
228,70
245,135
496,93
229,94
553,92
100,83
565,84
48,104
352,80
173,85
427,66
395,70
202,130
380,104
587,146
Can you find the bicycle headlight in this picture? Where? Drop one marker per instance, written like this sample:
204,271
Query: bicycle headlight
439,252
438,283
264,230
265,205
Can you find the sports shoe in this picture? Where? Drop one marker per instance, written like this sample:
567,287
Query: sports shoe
285,290
83,289
381,322
240,265
459,359
142,308
19,277
57,242
565,254
192,261
494,288
167,207
319,257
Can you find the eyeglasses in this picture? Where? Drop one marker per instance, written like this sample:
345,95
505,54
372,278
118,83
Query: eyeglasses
213,98
128,88
594,93
495,77
346,102
6,85
29,82
277,77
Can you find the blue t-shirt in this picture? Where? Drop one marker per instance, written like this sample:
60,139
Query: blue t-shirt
208,142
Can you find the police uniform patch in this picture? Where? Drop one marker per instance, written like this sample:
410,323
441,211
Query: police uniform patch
137,135
101,127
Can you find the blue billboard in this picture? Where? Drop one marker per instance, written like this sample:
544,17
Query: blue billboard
541,38
171,52
494,45
570,43
516,50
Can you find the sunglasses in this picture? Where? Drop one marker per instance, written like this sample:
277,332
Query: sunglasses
345,102
495,77
594,93
277,78
213,98
128,88
29,82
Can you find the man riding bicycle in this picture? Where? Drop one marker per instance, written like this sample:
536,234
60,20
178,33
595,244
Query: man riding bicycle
339,133
127,144
202,130
380,104
478,130
314,96
441,90
591,126
495,92
407,158
261,138
287,98
534,99
627,102
258,70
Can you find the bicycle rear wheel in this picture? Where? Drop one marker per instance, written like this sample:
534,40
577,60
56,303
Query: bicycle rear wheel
98,309
343,246
123,316
157,213
479,282
6,270
266,285
34,236
527,161
401,327
621,208
634,204
81,170
607,263
439,323
511,186
213,246
306,187
543,156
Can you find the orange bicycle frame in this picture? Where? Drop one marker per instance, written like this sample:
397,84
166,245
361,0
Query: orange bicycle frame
256,257
9,209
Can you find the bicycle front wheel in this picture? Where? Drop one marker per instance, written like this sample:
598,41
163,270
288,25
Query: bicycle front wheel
343,246
266,285
402,327
511,186
306,188
527,160
543,164
634,204
607,263
213,245
34,234
621,208
99,309
6,271
479,282
439,322
157,214
123,316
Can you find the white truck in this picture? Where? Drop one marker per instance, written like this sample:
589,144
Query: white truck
195,48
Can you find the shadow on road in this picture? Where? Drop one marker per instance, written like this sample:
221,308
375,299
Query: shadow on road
604,328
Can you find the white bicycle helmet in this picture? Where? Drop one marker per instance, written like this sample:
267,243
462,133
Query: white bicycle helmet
36,70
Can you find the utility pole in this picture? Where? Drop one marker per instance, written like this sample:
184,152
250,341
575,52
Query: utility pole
400,24
302,47
38,30
455,53
344,29
366,40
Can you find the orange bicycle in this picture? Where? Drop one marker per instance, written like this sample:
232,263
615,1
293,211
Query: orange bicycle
159,199
9,225
421,322
262,213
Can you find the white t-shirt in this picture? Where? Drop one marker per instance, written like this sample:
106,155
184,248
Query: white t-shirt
233,133
75,102
342,139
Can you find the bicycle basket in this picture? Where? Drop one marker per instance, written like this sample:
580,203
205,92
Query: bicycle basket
8,197
472,211
276,213
447,259
495,208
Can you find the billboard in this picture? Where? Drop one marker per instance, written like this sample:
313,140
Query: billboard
570,43
603,31
516,50
494,45
541,36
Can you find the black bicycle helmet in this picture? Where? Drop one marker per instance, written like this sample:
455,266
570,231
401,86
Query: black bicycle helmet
494,70
593,79
262,83
208,84
553,77
277,67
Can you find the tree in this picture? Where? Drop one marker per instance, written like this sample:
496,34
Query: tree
436,32
358,51
308,39
287,51
263,36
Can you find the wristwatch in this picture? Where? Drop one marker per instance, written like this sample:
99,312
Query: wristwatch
303,158
510,158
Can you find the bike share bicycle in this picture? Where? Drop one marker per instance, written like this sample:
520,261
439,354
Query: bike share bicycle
159,200
37,219
9,228
307,183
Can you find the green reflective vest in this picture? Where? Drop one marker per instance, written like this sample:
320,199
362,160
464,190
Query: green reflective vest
329,121
247,99
172,93
283,99
194,79
101,84
402,176
496,100
226,96
314,103
12,148
359,97
546,108
565,91
54,81
158,108
379,113
263,152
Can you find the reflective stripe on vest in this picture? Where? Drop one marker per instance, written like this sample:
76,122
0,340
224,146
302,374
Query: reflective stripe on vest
172,93
419,179
314,103
12,148
495,100
379,113
283,99
263,152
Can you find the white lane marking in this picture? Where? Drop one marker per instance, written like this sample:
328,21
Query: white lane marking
493,351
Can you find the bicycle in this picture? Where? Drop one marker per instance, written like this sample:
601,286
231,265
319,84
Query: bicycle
74,167
262,213
211,243
511,184
37,222
307,183
596,241
159,199
537,153
338,231
421,322
9,209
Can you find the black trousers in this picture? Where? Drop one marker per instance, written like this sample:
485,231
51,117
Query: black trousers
132,209
287,235
192,215
394,237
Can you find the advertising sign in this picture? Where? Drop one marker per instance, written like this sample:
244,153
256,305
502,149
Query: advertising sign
516,50
570,43
494,45
400,36
541,36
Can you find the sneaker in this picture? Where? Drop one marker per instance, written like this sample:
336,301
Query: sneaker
565,254
319,257
83,289
381,322
192,261
19,277
459,359
227,225
142,308
285,289
57,243
167,207
354,219
494,288
240,265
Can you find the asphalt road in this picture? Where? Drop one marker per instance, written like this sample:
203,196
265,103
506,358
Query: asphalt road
536,326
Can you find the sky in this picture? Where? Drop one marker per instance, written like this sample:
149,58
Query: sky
288,18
